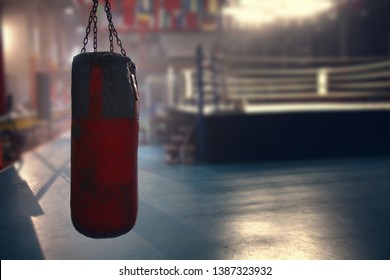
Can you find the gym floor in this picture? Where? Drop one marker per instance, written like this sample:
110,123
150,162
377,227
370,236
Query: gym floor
304,209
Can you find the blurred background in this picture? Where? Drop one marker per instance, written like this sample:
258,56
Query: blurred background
291,99
196,60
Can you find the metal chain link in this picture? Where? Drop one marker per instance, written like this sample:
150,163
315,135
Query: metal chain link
112,29
110,37
95,19
92,17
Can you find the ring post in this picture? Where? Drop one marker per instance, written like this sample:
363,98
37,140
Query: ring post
214,81
200,150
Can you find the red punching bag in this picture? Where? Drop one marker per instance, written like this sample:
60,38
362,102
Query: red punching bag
104,139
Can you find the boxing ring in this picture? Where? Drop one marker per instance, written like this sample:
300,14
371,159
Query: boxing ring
250,107
326,209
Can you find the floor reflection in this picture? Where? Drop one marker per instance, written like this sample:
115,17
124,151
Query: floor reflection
331,212
308,209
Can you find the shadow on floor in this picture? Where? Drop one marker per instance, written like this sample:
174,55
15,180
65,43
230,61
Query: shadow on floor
17,206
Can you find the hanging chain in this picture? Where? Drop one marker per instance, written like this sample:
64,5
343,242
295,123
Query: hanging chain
92,17
112,29
95,19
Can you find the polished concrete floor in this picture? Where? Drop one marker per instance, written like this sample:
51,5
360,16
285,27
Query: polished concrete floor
306,209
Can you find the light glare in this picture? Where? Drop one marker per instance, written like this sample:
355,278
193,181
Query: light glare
68,11
8,38
262,12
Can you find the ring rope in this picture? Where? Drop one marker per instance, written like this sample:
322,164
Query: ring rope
302,59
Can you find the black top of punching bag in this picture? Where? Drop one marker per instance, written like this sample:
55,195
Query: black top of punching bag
118,94
101,58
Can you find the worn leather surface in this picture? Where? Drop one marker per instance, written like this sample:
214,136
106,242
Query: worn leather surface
119,97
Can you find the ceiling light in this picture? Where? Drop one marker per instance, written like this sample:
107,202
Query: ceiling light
263,12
